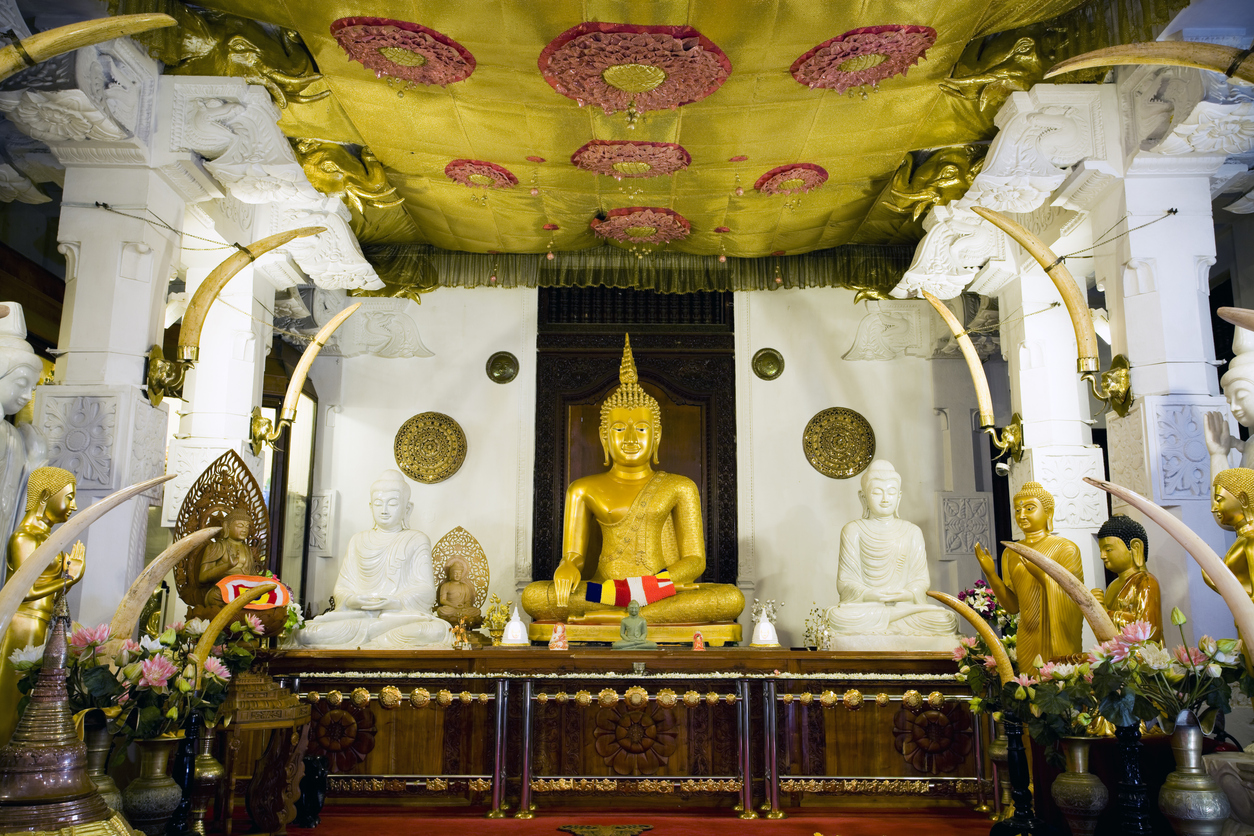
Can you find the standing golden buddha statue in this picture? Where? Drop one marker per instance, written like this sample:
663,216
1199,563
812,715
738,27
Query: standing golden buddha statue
1049,621
1133,595
1232,493
49,501
652,539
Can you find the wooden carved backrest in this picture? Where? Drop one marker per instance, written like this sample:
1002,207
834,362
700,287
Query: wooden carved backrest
225,485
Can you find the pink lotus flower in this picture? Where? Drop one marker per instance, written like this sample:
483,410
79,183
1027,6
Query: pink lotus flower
1137,631
254,623
1025,680
960,653
990,662
216,669
177,626
85,638
1190,656
156,672
968,641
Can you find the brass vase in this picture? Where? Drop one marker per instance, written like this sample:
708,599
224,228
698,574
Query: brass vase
1079,794
99,744
1190,799
208,777
149,800
997,753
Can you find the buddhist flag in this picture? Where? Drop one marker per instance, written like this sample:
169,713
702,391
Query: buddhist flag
233,586
645,590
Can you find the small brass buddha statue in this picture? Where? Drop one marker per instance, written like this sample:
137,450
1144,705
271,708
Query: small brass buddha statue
653,542
1231,497
49,501
1050,622
633,631
1133,595
228,555
456,599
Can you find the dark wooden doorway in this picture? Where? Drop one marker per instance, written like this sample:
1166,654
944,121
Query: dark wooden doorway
683,345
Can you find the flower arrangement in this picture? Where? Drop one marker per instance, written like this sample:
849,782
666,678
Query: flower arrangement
147,687
975,660
1138,679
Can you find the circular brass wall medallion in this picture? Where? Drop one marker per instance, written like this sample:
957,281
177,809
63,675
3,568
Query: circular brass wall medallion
502,367
430,447
838,442
768,364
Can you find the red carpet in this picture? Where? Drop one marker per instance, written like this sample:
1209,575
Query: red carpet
420,822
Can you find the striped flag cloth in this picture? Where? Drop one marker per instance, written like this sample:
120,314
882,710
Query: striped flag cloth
645,590
233,586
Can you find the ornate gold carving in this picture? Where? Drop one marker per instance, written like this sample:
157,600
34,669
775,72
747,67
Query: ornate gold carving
711,698
225,485
461,546
838,442
389,696
312,697
788,698
882,699
852,699
880,786
542,698
583,699
334,698
692,699
444,698
480,785
827,699
574,785
437,784
912,700
987,73
806,698
667,698
935,740
710,785
333,170
560,697
650,785
430,447
466,697
607,697
420,698
483,699
936,699
943,177
635,696
360,697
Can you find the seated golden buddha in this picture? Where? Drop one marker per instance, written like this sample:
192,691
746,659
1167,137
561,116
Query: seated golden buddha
652,540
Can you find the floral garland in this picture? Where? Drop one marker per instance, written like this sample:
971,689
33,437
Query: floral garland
403,50
791,179
478,174
863,57
624,158
642,225
621,67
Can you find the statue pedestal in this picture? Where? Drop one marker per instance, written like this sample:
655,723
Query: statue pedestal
716,634
886,642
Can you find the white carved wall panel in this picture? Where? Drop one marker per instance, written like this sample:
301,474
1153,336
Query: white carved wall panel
966,519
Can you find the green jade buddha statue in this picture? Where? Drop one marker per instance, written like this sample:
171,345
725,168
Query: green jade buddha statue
651,532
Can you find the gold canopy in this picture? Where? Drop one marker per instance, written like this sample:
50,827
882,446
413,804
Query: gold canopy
505,113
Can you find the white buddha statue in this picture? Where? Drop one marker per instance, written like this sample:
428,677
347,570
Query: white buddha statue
1238,386
23,446
883,578
386,588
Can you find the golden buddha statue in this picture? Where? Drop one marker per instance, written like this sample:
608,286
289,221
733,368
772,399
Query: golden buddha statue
1133,595
1049,621
1232,492
228,555
49,501
653,542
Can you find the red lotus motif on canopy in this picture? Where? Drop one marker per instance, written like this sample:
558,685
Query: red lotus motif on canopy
615,66
863,56
791,179
480,174
403,50
642,225
622,158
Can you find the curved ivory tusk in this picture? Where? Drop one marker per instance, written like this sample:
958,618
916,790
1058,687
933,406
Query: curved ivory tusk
1168,53
1240,317
1072,297
1094,612
1212,564
44,45
127,616
202,299
224,617
982,396
306,360
1005,671
20,582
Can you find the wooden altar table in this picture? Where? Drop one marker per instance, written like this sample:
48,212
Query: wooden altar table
859,727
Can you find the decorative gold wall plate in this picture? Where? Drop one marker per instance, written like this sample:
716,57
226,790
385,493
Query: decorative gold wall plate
459,544
768,364
838,442
430,447
502,367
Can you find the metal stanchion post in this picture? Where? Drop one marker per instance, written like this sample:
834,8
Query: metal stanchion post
524,795
498,755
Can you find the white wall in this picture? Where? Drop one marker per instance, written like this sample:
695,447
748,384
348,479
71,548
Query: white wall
490,496
790,514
